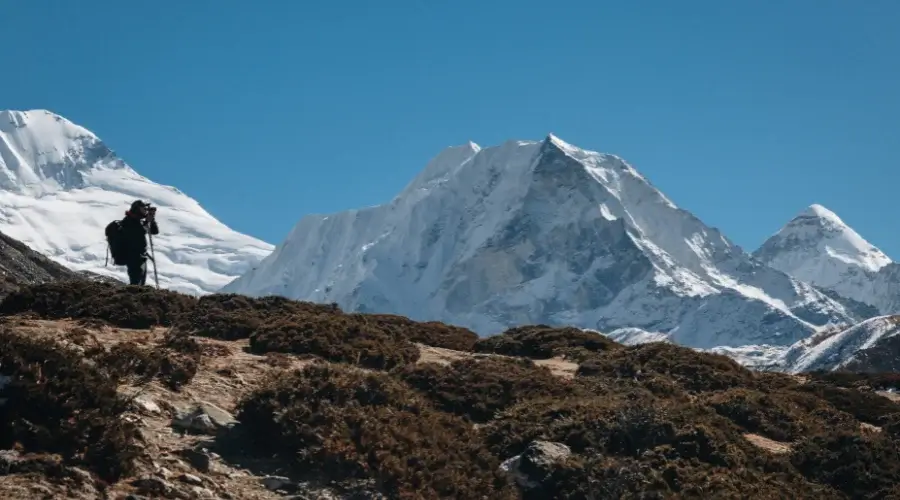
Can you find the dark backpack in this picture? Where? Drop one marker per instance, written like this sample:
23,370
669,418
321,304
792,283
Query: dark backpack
116,241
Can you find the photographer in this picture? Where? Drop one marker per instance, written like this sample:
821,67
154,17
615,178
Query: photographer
134,239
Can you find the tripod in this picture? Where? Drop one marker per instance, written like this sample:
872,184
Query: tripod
153,258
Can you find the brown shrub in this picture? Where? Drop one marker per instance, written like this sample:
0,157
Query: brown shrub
431,333
854,380
278,360
656,477
215,350
891,425
782,416
122,306
692,370
174,360
774,381
336,338
865,406
57,403
345,425
644,448
479,388
234,317
544,342
612,426
860,467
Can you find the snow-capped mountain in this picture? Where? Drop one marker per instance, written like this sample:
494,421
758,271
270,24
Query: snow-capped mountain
819,248
60,185
872,345
542,232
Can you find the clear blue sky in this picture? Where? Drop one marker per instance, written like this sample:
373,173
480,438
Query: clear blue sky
742,111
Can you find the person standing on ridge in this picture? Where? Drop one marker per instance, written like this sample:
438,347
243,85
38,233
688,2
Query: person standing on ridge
138,221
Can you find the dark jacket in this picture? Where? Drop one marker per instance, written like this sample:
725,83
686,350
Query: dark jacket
134,237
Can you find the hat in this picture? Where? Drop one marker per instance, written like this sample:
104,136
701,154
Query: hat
137,206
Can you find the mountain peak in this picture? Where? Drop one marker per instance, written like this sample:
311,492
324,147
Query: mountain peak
820,212
445,163
836,238
43,152
818,247
541,232
555,141
40,122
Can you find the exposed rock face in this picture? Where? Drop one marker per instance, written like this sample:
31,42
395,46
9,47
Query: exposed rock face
20,265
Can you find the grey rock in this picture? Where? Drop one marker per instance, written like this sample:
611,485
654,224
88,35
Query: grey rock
529,469
198,459
203,417
190,479
540,456
164,473
203,423
81,474
8,458
200,492
152,485
146,405
276,482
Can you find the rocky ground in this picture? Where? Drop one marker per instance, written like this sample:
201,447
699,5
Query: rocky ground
123,392
20,265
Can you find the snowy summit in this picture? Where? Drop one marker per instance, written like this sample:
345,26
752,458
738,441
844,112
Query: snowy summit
819,248
533,232
60,185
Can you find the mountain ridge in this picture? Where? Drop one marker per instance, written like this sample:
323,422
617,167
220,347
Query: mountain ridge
521,221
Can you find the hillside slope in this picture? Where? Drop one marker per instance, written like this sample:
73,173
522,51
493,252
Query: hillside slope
20,265
60,185
870,346
542,232
213,398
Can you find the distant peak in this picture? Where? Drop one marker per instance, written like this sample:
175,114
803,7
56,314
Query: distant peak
818,215
819,211
469,148
555,141
446,162
41,122
14,114
818,235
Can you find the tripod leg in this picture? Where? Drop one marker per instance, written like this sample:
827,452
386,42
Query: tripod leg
153,259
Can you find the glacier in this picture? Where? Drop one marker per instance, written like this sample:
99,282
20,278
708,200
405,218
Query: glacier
60,185
530,232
